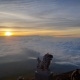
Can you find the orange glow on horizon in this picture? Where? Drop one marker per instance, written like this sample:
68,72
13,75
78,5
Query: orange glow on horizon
8,33
33,32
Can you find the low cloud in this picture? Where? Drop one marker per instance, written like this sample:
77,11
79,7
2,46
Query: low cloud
63,49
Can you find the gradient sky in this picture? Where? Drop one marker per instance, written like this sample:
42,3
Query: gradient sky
40,17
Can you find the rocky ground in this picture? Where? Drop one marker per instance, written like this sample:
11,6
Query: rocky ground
30,76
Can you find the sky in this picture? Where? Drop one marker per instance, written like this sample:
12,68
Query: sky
40,17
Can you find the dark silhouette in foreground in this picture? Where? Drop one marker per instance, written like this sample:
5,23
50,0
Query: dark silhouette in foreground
20,78
75,75
43,72
45,63
72,75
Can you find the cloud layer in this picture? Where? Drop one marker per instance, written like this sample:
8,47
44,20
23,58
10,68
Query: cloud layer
47,14
64,50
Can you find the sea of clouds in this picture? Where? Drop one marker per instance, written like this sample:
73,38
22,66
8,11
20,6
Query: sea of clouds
64,50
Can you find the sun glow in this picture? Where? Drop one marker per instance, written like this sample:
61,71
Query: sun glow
8,33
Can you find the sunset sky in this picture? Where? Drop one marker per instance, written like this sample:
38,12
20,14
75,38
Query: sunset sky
40,17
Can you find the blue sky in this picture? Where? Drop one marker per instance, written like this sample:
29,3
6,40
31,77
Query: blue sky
60,16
